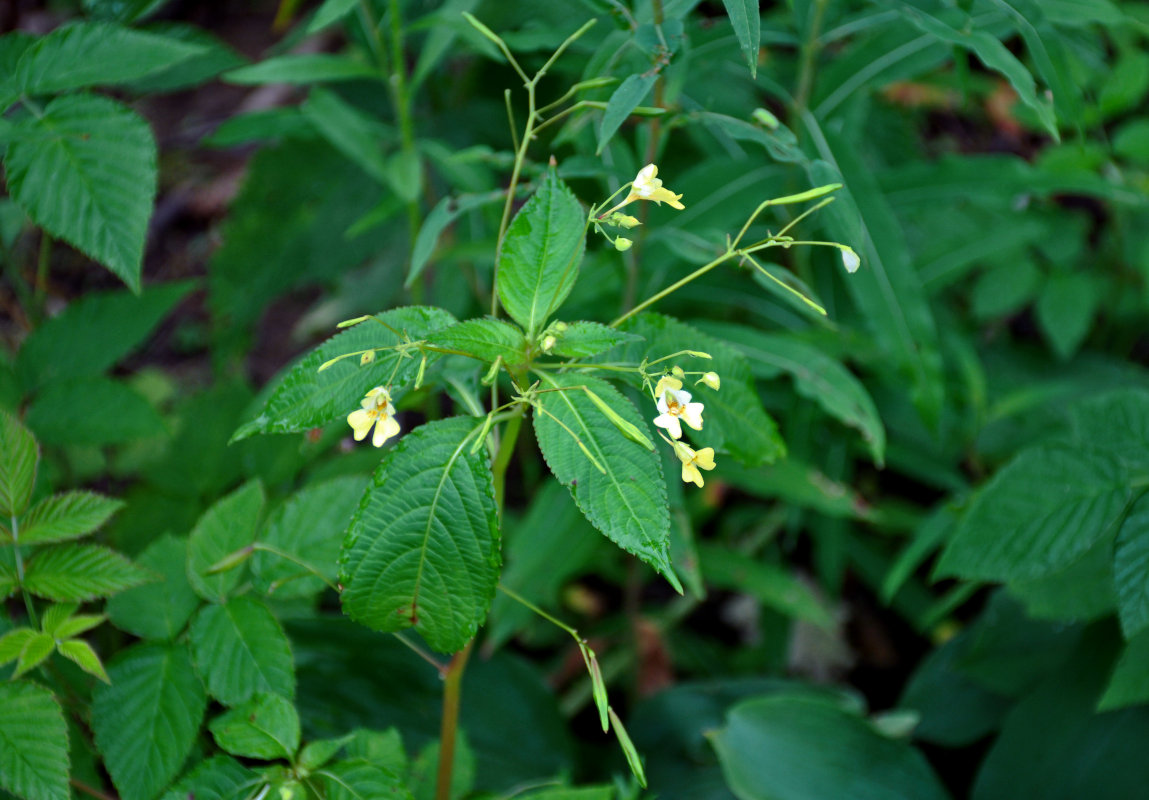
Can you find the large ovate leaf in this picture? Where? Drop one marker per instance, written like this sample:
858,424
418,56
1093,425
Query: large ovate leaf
78,572
626,498
541,253
1118,423
160,609
85,171
267,726
359,779
226,527
423,548
1131,568
583,339
485,339
66,516
33,743
145,722
241,649
19,456
306,398
1041,512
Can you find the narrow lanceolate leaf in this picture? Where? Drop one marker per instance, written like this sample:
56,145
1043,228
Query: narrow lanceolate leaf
12,643
80,652
36,649
67,516
349,130
218,778
359,779
146,721
302,69
583,339
423,549
19,455
623,100
240,649
96,54
226,527
747,23
78,572
305,398
541,254
157,610
1038,514
1131,569
33,743
484,339
267,726
86,172
627,501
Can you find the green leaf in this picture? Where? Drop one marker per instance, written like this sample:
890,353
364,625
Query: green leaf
80,652
240,649
302,70
146,721
77,572
485,339
218,778
771,584
309,528
1129,684
306,398
786,747
1065,310
35,650
583,339
442,215
227,526
541,253
329,13
73,626
627,502
215,56
817,377
1131,568
623,101
66,516
19,457
349,130
96,54
317,753
1040,512
13,642
747,23
423,549
113,413
358,779
1117,422
267,726
33,743
384,748
157,610
85,171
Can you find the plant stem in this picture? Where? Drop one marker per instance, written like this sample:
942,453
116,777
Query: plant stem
809,53
503,456
20,573
402,101
452,692
698,273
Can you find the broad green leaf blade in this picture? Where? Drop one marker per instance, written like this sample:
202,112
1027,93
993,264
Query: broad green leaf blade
67,516
218,778
1131,569
146,721
113,413
318,752
627,502
36,649
19,457
794,747
733,419
306,398
94,332
442,215
157,610
308,529
583,339
267,726
485,339
747,23
1039,513
1065,310
240,649
1118,423
226,527
817,377
96,54
541,254
358,779
74,626
302,70
85,171
12,46
423,549
77,572
80,652
349,130
629,94
12,643
770,584
1129,684
33,743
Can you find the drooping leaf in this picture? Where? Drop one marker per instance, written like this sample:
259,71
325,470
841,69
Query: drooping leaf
19,457
157,610
226,527
240,649
85,171
66,516
218,778
77,572
622,492
302,69
486,339
267,726
306,398
540,259
33,743
423,549
747,23
145,722
623,101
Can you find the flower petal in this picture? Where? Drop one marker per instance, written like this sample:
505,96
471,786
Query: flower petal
360,421
386,428
690,474
692,415
664,383
704,458
670,423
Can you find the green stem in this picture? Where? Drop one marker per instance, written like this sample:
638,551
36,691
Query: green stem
402,101
518,598
503,456
809,54
452,692
674,287
20,573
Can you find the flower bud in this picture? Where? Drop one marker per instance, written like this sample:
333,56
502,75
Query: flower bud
548,343
711,379
367,358
622,244
626,221
850,259
678,373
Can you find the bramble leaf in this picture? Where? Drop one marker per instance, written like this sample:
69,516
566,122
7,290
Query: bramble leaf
33,743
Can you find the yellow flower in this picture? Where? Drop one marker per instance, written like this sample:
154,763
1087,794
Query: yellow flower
711,379
675,405
376,412
647,186
691,461
664,383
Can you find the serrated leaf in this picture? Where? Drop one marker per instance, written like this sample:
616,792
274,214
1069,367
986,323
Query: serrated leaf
302,69
226,527
145,721
1131,568
56,614
384,748
240,649
540,259
67,516
85,171
349,131
1039,513
96,54
623,101
305,398
627,502
423,549
80,652
19,457
35,650
77,572
218,778
74,626
33,743
583,339
357,779
267,726
747,24
113,413
309,528
12,643
485,339
317,753
157,610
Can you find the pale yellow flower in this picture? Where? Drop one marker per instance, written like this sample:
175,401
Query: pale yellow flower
692,460
664,383
376,412
674,405
711,379
647,186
